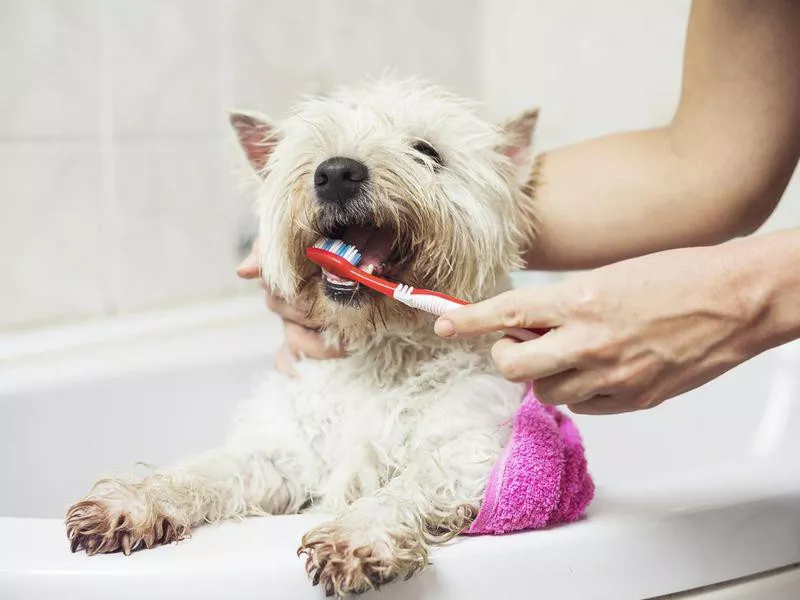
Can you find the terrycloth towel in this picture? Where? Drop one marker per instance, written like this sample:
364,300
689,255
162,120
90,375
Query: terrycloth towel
541,479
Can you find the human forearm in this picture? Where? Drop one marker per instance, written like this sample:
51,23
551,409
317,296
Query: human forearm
633,334
768,272
622,196
715,172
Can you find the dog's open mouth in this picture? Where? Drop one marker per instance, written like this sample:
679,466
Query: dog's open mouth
379,256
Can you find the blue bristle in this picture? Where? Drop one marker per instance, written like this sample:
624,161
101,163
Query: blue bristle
348,252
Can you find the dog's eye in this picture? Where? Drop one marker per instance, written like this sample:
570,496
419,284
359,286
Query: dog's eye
425,148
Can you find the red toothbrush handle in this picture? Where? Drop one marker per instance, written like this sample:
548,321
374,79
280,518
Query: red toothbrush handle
341,267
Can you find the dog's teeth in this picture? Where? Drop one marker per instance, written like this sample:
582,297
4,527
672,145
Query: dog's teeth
369,269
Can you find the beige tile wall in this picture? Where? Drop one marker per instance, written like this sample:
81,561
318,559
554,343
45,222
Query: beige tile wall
593,68
116,191
115,184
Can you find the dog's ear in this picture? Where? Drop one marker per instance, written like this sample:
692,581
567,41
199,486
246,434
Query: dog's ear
257,135
517,145
517,142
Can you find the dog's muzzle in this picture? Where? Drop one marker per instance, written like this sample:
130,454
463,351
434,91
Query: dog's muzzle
339,180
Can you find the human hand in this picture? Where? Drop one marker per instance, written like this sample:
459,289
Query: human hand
624,337
302,338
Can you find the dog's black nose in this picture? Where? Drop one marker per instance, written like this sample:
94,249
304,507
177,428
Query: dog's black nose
339,179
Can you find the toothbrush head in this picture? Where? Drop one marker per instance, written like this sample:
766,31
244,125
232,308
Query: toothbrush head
340,248
339,262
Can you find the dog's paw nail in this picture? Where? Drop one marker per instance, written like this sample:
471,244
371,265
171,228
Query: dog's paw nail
91,546
96,527
126,544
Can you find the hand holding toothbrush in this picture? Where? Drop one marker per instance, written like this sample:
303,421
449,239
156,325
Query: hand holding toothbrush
301,334
633,334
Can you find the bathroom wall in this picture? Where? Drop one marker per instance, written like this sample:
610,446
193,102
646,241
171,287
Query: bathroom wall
593,68
116,191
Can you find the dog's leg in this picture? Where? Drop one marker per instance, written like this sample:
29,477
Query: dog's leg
383,537
386,536
226,482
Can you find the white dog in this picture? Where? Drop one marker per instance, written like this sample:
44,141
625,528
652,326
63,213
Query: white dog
397,439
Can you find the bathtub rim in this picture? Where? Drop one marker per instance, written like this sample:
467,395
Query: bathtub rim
710,515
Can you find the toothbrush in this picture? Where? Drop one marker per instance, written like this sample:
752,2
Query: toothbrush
341,259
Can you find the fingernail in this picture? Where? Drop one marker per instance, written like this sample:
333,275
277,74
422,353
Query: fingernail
444,328
247,265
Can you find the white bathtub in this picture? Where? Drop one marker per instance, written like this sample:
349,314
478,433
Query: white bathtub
703,490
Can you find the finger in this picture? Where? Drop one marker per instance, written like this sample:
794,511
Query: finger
536,359
603,405
289,312
568,387
250,267
304,342
285,362
524,308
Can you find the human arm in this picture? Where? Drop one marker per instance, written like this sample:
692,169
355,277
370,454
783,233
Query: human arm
301,335
636,333
715,172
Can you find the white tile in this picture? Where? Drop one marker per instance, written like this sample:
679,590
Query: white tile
439,41
281,50
178,224
278,50
52,260
49,64
593,68
167,69
453,44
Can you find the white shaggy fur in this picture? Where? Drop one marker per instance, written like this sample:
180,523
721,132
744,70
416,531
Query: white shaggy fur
397,440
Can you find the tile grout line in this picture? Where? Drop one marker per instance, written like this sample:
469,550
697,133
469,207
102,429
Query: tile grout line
109,225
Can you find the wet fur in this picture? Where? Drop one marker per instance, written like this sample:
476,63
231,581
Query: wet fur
396,440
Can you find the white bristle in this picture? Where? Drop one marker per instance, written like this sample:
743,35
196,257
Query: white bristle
347,251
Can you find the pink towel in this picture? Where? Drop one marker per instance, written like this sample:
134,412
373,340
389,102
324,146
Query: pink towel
541,479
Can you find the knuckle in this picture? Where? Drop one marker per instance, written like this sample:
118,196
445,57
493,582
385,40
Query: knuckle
590,352
508,366
610,380
622,378
600,348
512,314
585,301
306,341
545,392
316,349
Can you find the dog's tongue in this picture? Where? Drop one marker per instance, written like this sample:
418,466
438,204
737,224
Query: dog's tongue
374,243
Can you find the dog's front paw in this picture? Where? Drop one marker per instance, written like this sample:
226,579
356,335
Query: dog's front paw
102,525
341,561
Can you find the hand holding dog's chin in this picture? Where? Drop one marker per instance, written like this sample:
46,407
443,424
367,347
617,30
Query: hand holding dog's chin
627,336
301,336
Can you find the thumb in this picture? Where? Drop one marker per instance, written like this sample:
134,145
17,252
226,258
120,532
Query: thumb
528,308
250,267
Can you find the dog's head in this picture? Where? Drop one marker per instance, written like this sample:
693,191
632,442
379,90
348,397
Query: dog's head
431,195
